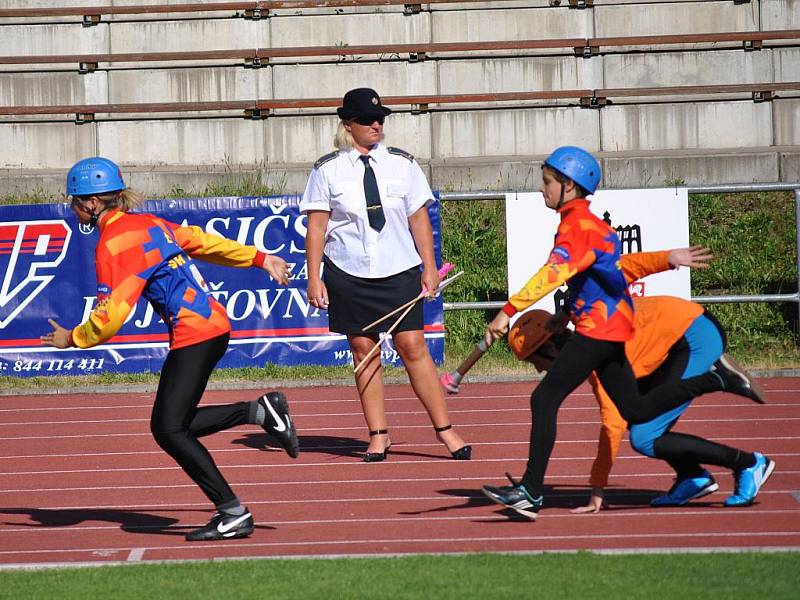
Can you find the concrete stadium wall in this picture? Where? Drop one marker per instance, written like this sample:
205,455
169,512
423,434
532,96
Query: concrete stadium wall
486,146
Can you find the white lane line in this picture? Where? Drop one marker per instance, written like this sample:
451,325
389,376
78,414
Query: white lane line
135,555
105,407
295,395
698,403
81,422
360,428
241,430
91,454
169,508
347,393
399,414
66,437
258,484
399,554
615,493
51,409
357,464
302,395
427,542
361,446
249,465
491,516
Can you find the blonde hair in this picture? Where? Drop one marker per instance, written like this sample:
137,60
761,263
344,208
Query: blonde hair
127,199
343,140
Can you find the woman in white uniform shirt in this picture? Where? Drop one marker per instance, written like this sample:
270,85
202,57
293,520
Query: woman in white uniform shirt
372,260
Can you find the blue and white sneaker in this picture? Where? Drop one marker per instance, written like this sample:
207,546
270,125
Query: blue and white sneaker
515,497
687,489
750,481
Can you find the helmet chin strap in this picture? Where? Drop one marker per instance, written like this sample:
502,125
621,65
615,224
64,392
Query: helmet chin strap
93,216
561,198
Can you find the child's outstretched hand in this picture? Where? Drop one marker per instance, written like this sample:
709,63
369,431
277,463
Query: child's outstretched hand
60,337
497,328
596,502
277,268
696,257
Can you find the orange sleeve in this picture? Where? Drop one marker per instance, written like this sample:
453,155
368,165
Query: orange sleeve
640,264
612,429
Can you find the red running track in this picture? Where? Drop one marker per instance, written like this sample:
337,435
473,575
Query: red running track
83,481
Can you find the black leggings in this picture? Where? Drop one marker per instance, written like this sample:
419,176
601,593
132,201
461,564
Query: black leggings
683,452
176,422
579,357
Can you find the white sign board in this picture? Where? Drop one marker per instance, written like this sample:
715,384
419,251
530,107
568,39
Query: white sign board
645,220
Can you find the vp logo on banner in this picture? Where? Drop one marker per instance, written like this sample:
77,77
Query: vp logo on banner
29,253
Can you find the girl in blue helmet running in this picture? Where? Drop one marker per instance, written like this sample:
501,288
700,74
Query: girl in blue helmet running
586,256
141,255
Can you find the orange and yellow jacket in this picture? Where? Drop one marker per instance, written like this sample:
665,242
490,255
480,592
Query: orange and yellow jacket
585,256
144,255
660,321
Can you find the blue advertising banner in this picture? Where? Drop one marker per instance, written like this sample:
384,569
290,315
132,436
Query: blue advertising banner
47,267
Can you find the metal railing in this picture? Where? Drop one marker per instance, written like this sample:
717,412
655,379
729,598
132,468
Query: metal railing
260,9
420,51
262,109
710,189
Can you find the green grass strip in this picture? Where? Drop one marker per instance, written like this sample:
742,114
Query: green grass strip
485,576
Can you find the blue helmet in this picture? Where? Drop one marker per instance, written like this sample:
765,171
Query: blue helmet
577,164
96,175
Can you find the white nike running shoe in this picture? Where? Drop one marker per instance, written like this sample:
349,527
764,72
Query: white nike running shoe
278,422
223,527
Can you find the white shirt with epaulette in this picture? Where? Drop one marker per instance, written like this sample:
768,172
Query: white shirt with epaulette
336,185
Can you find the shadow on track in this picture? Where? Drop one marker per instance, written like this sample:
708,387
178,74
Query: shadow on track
328,444
563,496
130,521
324,444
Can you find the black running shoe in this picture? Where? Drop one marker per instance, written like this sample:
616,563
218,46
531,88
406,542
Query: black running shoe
515,497
278,422
223,527
736,380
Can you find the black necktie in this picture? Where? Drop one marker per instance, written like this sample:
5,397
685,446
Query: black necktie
373,196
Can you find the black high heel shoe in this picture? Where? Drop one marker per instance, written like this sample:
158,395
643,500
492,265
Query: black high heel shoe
463,453
377,456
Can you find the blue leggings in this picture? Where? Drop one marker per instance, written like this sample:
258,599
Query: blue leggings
705,345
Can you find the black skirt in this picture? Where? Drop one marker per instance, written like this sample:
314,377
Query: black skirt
356,301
